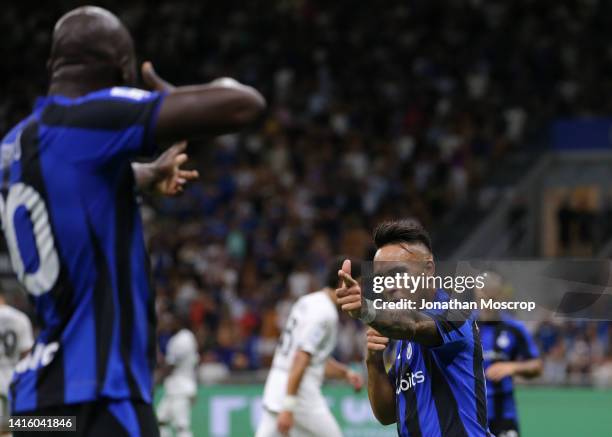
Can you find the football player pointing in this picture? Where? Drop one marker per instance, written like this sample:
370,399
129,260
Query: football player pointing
435,387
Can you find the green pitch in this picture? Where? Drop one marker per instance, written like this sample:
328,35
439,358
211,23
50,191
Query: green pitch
232,411
565,412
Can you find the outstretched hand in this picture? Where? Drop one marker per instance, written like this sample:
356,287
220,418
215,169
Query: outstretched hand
169,178
349,294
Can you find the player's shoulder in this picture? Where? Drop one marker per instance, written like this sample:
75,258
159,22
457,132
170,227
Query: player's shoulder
121,93
12,312
510,322
108,108
318,304
10,139
306,300
118,93
513,324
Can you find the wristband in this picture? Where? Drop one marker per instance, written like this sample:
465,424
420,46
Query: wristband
289,403
370,312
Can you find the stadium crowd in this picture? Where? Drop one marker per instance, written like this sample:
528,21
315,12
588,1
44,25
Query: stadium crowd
371,117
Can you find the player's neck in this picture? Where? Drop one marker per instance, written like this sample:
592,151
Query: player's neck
77,86
71,89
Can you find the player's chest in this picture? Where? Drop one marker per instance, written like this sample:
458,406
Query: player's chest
497,344
409,358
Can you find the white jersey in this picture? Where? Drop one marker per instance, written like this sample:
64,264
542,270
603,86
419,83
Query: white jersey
15,338
312,326
182,353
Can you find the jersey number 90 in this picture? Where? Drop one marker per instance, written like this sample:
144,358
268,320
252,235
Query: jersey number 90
45,276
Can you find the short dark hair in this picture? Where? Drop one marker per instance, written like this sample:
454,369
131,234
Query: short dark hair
401,231
331,279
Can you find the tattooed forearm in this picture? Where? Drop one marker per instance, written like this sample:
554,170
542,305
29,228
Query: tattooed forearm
397,324
406,325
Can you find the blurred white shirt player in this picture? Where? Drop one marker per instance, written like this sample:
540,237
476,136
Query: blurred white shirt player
293,404
16,339
180,383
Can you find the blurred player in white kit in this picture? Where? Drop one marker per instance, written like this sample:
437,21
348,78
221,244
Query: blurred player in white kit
16,339
292,401
180,383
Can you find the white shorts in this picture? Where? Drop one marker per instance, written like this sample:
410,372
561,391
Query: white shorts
175,412
315,422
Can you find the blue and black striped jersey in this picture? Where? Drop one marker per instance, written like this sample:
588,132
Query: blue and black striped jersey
440,391
506,340
74,233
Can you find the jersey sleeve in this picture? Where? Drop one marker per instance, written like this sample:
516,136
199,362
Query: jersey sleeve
526,348
117,123
455,332
313,334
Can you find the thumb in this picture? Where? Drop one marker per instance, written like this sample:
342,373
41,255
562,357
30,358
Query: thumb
177,148
345,273
346,266
152,80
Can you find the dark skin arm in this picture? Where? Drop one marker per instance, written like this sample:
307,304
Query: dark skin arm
396,324
223,106
407,325
165,175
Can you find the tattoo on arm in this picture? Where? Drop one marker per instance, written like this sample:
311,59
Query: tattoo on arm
407,325
397,324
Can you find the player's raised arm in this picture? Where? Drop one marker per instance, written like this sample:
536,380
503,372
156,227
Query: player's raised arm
397,324
219,107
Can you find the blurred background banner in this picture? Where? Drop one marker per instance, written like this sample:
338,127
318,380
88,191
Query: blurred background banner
572,134
233,411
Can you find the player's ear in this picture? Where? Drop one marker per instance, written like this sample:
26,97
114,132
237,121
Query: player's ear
128,71
430,267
